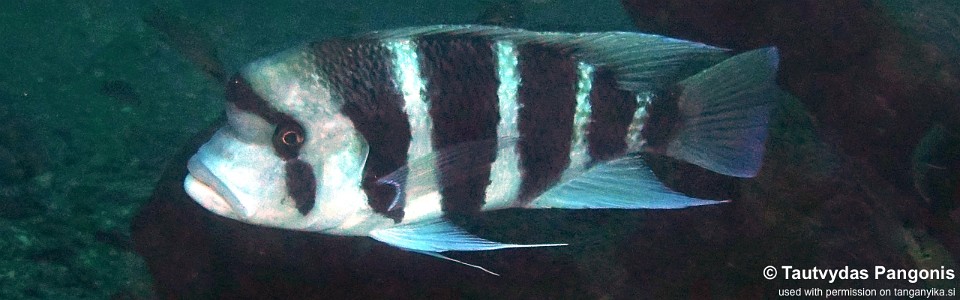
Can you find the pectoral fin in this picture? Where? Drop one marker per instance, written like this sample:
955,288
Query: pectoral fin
467,160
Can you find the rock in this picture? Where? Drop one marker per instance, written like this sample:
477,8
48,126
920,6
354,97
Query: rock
16,202
10,171
22,151
121,91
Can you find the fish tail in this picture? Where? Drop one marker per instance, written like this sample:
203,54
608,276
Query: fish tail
721,115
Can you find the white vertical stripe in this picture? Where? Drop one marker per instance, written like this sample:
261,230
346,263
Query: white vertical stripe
406,71
505,172
579,155
639,117
411,84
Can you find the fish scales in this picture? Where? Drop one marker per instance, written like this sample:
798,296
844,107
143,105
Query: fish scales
612,112
548,79
504,184
459,74
361,72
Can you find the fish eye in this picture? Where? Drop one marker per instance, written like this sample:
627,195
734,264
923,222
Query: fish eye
288,139
291,138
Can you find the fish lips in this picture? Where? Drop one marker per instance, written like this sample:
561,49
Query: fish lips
212,193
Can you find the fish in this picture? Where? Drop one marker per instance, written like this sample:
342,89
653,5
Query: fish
388,133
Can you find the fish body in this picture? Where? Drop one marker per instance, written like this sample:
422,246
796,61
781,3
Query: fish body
382,134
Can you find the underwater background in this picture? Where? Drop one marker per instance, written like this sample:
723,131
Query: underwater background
100,103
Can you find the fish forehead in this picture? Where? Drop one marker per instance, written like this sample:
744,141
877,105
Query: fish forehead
291,83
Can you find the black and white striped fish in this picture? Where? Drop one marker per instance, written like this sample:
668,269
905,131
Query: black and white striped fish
382,134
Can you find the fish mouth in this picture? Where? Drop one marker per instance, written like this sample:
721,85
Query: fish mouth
211,192
206,196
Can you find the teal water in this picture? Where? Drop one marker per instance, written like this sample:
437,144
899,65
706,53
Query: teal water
96,98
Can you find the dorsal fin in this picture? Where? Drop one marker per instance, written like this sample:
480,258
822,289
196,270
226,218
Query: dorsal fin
640,62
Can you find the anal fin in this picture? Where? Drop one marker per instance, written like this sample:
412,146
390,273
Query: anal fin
623,183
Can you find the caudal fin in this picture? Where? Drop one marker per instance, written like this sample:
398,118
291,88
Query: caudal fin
724,112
